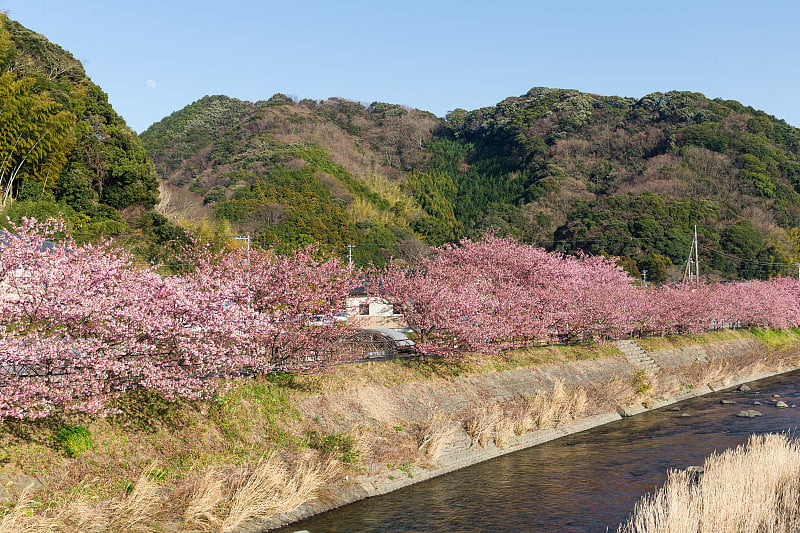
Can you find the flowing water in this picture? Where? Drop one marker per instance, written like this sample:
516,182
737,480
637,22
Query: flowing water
587,482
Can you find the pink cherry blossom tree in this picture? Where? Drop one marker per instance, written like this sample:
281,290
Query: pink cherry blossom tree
81,324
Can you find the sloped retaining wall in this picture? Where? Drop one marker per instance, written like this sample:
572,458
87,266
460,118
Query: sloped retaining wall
457,395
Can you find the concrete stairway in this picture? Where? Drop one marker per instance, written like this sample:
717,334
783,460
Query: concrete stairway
636,356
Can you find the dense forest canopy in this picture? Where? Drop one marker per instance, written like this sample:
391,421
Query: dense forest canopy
567,170
631,178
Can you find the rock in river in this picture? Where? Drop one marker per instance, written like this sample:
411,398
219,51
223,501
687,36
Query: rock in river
748,413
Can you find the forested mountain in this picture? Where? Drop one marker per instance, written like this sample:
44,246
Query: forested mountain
334,172
63,149
631,177
561,168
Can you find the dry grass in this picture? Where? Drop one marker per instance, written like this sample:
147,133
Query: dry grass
17,519
377,404
524,415
434,434
504,430
368,402
719,370
613,392
713,372
480,423
136,511
552,409
751,488
206,495
544,410
271,487
578,403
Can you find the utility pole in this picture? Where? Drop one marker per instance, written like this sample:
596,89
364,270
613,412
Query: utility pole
696,258
692,272
349,255
245,238
644,277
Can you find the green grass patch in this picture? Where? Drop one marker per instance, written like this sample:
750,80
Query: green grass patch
146,410
74,439
429,368
777,339
671,342
511,359
340,445
258,411
641,383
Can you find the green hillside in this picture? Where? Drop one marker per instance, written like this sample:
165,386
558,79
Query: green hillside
560,168
63,148
630,177
333,172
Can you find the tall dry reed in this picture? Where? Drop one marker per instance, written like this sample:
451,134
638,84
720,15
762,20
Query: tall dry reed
751,488
136,511
206,495
480,423
434,434
560,406
271,487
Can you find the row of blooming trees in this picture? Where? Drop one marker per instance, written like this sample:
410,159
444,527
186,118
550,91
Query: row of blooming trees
80,324
494,293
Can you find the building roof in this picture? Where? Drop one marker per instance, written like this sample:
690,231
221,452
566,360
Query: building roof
399,338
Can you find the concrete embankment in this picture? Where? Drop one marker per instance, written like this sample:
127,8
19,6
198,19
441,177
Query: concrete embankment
454,422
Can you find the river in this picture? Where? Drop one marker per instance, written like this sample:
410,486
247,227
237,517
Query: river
586,482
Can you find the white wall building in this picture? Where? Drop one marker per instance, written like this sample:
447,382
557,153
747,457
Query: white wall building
366,311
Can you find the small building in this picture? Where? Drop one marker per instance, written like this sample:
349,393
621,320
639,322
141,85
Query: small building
7,292
370,312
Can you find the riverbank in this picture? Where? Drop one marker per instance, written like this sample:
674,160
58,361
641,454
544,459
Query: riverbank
483,417
283,448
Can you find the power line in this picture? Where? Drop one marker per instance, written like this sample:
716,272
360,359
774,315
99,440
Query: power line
744,259
265,241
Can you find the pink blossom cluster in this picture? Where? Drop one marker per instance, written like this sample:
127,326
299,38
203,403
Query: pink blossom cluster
80,324
495,293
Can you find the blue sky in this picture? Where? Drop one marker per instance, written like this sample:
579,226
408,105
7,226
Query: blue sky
155,57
